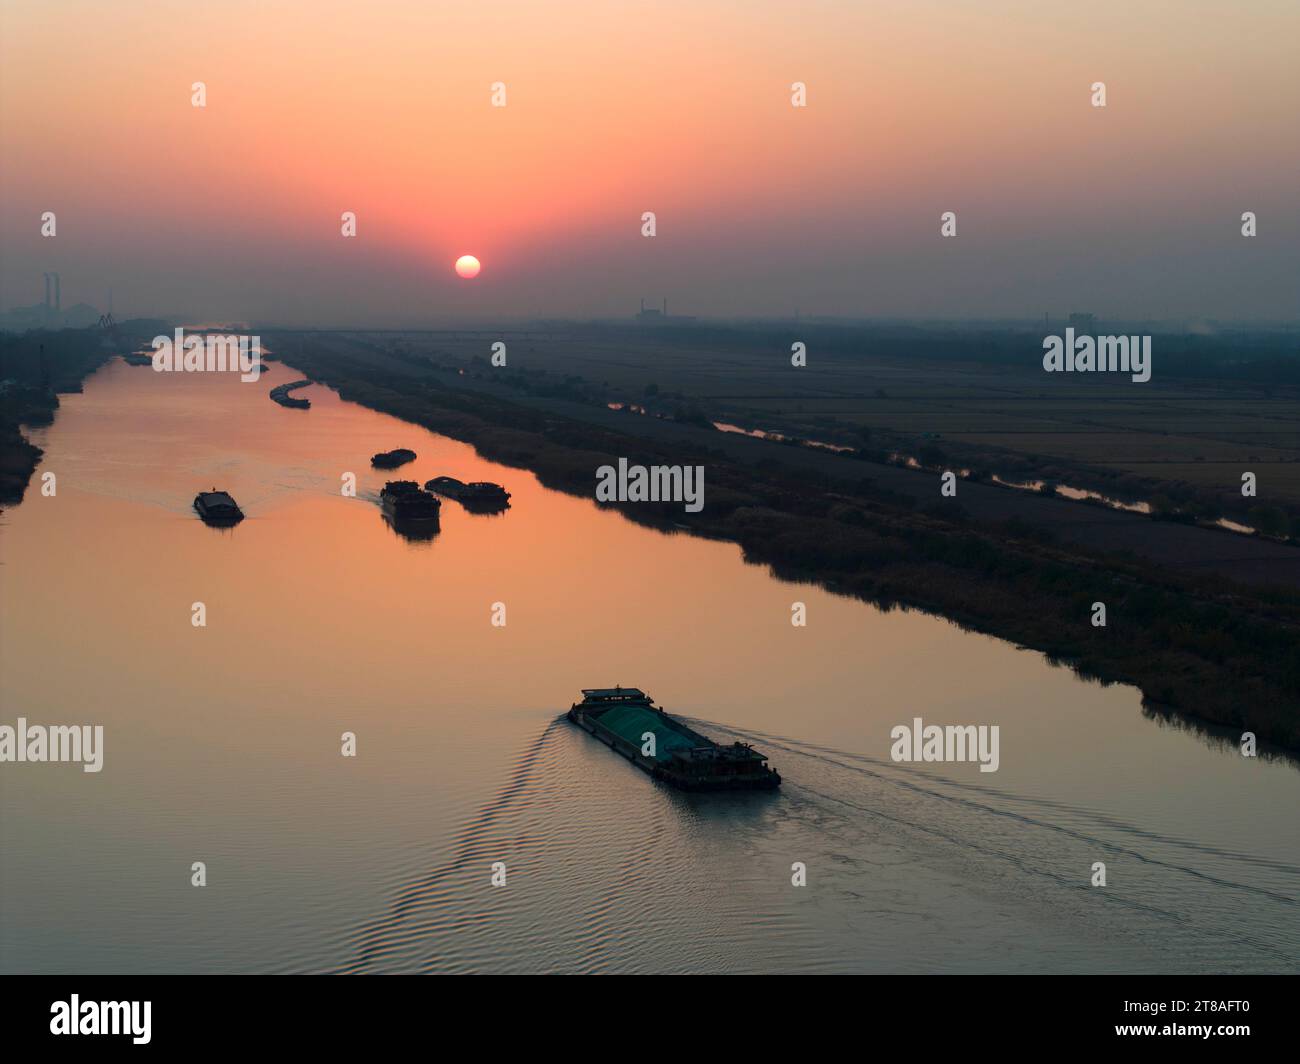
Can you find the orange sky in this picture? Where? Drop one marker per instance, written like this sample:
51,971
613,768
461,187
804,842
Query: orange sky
914,108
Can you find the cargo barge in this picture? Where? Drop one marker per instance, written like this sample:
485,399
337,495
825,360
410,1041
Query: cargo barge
478,494
281,395
392,459
408,507
625,719
218,508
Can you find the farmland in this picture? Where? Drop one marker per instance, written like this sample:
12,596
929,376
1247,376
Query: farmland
974,398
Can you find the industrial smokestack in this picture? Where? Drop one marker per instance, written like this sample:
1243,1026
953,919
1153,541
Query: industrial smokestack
643,304
47,291
665,306
58,298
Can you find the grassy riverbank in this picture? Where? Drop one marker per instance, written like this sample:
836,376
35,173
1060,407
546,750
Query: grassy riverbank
1196,645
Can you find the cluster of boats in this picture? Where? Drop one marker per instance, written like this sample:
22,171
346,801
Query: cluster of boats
406,500
412,510
415,511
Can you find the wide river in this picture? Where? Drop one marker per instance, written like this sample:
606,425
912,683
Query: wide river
222,743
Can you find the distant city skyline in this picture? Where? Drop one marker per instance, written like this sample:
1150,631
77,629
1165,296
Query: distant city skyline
232,210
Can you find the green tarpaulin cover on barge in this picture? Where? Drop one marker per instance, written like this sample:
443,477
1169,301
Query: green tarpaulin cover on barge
630,722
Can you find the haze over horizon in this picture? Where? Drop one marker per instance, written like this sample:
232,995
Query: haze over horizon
232,211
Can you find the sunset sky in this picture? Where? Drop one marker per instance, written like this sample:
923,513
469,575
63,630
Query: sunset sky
915,107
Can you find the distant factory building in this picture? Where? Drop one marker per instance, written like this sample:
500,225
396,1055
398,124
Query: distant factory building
49,314
652,316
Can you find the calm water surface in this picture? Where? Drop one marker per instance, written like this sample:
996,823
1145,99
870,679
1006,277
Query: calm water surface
222,743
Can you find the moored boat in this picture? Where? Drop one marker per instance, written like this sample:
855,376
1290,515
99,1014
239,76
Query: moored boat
628,721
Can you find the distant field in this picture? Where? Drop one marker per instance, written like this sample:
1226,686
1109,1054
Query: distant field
1172,428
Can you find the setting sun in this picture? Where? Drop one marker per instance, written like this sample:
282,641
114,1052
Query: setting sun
467,266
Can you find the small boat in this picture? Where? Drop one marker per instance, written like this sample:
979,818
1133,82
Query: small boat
392,459
478,493
405,504
625,719
218,508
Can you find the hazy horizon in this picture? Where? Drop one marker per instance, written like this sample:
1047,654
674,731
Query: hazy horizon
232,211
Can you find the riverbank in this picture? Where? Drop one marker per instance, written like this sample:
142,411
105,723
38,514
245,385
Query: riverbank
35,368
18,461
1181,547
1194,643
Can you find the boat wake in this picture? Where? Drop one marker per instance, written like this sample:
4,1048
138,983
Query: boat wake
907,870
477,842
1206,889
